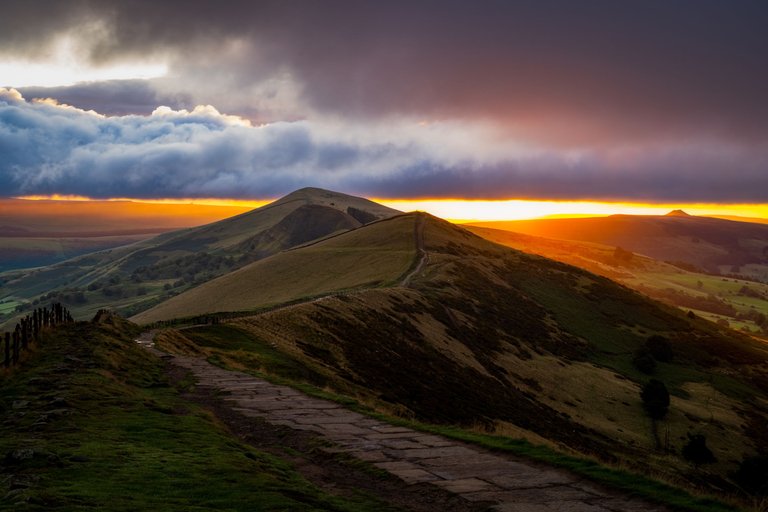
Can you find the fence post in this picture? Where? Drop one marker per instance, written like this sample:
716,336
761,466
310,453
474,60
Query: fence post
24,324
7,360
16,346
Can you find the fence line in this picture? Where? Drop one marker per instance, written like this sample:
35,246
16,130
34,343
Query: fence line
29,328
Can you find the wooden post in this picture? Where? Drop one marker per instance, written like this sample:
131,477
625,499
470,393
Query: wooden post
7,360
24,333
16,346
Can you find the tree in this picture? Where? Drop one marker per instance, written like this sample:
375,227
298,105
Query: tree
655,399
752,475
660,348
644,362
696,450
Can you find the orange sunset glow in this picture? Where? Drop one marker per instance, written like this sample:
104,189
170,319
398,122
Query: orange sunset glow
179,212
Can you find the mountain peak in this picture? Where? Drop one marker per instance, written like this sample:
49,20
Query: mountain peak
678,213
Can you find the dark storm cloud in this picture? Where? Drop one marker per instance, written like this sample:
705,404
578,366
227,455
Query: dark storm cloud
111,97
587,72
49,148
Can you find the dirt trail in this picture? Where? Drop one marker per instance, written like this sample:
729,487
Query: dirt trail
418,233
455,476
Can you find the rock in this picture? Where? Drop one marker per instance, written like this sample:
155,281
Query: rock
58,402
20,404
23,481
19,455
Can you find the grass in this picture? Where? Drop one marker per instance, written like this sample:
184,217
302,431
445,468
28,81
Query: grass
227,345
8,306
375,255
105,430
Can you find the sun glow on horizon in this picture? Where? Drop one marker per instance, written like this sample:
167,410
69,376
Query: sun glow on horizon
466,211
470,210
210,201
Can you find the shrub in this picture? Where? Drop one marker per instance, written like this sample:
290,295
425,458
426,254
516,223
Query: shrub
655,399
644,362
660,348
752,475
696,450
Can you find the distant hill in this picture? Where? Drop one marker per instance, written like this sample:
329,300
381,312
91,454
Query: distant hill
135,277
493,339
713,245
36,233
738,303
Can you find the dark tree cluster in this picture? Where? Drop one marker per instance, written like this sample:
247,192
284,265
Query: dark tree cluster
655,399
656,348
696,450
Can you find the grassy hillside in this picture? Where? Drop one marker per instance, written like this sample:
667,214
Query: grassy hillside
136,277
714,245
737,303
513,344
92,422
375,255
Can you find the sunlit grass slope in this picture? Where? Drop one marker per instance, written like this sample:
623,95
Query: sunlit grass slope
741,303
374,255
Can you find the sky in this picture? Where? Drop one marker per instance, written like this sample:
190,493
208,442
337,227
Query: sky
640,103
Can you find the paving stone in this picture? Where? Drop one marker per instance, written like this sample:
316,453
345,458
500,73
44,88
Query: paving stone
396,435
328,419
338,428
558,493
459,460
370,456
389,429
522,507
465,485
414,476
401,444
433,441
529,479
481,470
431,453
396,465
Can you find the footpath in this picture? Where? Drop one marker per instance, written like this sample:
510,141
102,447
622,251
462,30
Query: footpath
508,483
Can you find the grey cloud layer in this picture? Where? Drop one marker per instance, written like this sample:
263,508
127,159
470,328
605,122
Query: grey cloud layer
50,148
562,72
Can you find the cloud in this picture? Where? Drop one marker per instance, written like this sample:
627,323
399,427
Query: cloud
559,72
112,97
49,148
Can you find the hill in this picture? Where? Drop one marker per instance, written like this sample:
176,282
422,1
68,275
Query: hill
734,302
375,255
713,245
495,340
135,277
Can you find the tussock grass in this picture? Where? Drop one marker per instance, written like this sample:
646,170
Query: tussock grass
96,425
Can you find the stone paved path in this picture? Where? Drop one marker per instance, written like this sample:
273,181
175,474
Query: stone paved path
514,484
